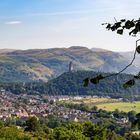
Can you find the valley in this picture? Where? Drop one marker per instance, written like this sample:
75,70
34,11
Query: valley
40,85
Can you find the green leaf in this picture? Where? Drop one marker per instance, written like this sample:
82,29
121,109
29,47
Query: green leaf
117,25
137,76
96,79
108,26
129,83
86,82
120,31
138,49
129,24
123,20
113,28
137,26
133,32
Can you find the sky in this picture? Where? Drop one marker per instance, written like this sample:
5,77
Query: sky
30,24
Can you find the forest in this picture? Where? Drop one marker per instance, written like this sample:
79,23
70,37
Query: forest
71,83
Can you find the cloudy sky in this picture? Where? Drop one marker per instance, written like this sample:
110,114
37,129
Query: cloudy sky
28,24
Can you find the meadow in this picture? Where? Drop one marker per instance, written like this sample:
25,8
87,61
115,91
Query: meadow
122,106
108,104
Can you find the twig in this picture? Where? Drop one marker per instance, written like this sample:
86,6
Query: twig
128,64
115,19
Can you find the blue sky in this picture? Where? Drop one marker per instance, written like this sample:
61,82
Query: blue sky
28,24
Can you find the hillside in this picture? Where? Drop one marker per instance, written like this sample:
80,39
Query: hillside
129,55
71,83
45,64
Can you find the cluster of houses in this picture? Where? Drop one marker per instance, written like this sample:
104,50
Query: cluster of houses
24,106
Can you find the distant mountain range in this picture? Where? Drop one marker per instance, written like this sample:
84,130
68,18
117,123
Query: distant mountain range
46,64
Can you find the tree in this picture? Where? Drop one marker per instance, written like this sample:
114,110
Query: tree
13,133
1,124
131,116
53,121
136,122
111,135
32,124
94,108
78,131
94,132
62,133
120,26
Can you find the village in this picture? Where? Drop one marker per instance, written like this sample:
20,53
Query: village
24,106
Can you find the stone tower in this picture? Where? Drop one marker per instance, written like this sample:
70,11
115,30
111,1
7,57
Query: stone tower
70,66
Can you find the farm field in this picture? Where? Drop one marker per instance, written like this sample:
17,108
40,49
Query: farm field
108,104
91,101
122,106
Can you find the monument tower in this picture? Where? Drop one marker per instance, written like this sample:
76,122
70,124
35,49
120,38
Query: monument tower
70,67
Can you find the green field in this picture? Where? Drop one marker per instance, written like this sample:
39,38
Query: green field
108,104
91,101
122,106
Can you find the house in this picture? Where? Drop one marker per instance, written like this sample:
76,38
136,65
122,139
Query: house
136,132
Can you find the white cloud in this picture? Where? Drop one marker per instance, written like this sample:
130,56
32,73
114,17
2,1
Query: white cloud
62,13
13,22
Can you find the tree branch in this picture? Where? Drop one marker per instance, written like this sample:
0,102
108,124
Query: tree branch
128,64
131,82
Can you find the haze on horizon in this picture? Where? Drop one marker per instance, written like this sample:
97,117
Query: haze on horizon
30,24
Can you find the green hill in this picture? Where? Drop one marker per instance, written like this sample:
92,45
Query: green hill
46,64
71,83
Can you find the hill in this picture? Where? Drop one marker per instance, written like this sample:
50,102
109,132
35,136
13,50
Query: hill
129,55
71,83
46,64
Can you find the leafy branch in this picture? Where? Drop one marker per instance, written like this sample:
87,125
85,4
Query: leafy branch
134,26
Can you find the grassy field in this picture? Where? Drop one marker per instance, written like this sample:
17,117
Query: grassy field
122,106
91,101
107,104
